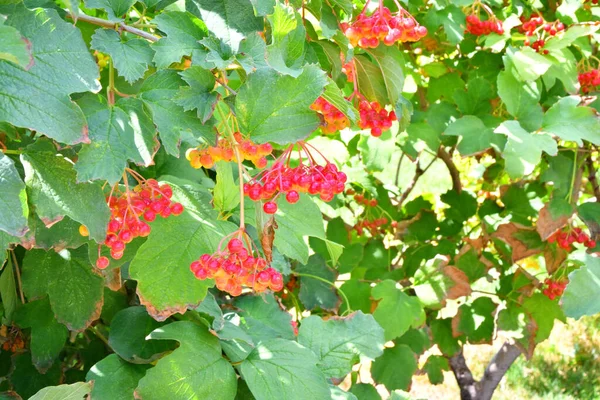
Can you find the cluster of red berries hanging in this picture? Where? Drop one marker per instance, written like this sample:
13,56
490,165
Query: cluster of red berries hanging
478,27
383,26
536,26
130,213
207,156
589,80
372,220
554,288
235,266
283,180
373,116
333,119
565,239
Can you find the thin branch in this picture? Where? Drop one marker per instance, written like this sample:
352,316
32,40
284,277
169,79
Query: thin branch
497,368
577,177
222,83
592,177
18,272
113,25
447,159
398,169
419,172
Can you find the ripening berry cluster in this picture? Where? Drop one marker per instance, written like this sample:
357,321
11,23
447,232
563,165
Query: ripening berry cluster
235,267
554,288
374,226
334,120
361,199
224,151
565,239
383,26
348,69
589,80
530,27
281,179
373,116
147,200
478,27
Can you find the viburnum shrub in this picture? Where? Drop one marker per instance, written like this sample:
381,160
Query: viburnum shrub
236,199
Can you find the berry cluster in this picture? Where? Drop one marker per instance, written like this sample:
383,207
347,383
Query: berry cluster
478,27
333,119
373,116
207,157
372,219
565,239
147,200
103,60
531,27
589,80
348,69
235,266
383,26
554,288
280,178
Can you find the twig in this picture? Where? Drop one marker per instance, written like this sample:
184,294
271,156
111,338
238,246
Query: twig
420,171
113,25
14,258
222,83
592,177
398,169
447,159
100,336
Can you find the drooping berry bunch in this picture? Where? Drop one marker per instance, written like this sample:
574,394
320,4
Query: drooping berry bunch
554,288
207,156
565,239
283,180
383,26
373,116
478,27
373,217
536,26
131,210
589,80
333,119
236,266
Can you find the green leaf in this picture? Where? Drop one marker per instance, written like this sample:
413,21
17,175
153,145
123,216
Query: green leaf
199,94
370,80
183,30
521,100
339,343
286,51
75,391
528,64
237,344
115,8
8,291
283,369
263,318
209,306
569,36
434,367
52,187
263,7
377,152
441,331
114,378
158,92
38,98
581,295
115,140
396,312
130,57
14,47
296,221
316,293
195,370
73,286
523,150
226,192
390,61
422,135
164,260
569,121
47,335
395,367
335,96
13,198
470,264
229,20
359,296
286,117
476,99
365,391
454,21
476,321
544,311
475,137
27,380
128,330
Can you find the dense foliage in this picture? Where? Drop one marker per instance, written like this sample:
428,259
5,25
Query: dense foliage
249,199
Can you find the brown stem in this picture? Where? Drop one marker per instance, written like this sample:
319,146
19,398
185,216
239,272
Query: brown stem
592,177
497,368
467,384
419,172
18,273
113,25
447,159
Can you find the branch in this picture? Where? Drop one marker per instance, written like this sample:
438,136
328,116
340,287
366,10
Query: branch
497,368
577,177
447,159
468,385
113,25
420,171
592,177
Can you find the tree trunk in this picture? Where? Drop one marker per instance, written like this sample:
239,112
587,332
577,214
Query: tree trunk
470,389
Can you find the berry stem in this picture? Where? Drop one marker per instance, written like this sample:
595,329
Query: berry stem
348,309
16,152
110,90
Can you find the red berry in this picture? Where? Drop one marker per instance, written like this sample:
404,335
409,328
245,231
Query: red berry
270,207
235,245
177,208
102,262
292,197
